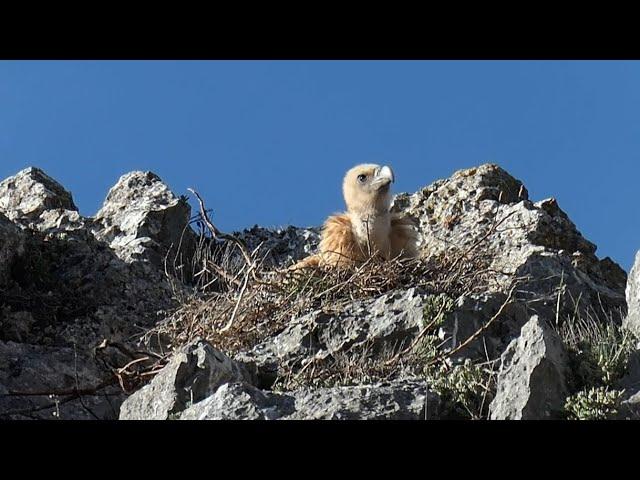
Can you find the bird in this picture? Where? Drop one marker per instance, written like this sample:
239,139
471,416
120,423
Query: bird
368,228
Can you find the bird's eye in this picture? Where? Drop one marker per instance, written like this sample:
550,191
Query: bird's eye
362,178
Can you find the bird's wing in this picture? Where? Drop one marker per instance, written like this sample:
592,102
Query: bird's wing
338,246
403,237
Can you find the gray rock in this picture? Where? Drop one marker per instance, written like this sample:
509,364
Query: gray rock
632,321
240,401
390,320
389,323
141,219
630,384
63,286
630,408
281,246
31,192
404,400
39,369
79,291
531,382
471,313
535,240
191,375
59,221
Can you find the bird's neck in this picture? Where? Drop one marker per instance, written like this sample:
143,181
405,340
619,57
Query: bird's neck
372,228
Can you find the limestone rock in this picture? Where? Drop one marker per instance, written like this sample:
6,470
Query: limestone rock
390,320
405,400
531,382
61,286
389,323
534,240
141,219
192,374
630,408
471,313
29,193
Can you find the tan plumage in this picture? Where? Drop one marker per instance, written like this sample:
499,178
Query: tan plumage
367,228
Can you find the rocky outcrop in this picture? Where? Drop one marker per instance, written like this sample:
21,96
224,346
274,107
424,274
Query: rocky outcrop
68,282
30,193
203,384
534,240
388,323
532,379
193,374
141,219
63,287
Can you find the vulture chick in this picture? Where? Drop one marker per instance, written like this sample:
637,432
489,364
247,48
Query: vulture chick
368,227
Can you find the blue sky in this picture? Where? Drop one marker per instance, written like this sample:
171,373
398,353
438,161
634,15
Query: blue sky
267,142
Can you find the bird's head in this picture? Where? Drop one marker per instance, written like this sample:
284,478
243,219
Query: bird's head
366,188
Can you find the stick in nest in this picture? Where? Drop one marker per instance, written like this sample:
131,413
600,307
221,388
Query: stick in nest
475,335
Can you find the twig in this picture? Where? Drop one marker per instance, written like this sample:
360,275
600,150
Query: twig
235,310
477,332
419,337
132,362
217,233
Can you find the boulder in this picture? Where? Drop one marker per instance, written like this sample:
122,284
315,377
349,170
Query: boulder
387,324
141,219
471,313
402,400
30,193
191,375
630,408
532,378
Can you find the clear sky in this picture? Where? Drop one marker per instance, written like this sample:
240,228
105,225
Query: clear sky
267,142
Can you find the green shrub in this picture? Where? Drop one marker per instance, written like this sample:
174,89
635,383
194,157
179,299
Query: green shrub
598,403
467,389
599,351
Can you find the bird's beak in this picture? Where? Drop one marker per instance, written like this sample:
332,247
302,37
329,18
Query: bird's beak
384,176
